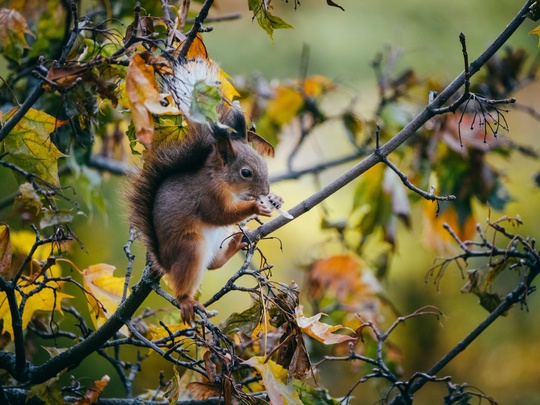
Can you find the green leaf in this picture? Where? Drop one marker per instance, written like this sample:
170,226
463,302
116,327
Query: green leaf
244,322
49,392
59,217
28,145
312,395
205,99
266,20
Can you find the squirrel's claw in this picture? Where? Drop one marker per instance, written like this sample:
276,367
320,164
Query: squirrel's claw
187,308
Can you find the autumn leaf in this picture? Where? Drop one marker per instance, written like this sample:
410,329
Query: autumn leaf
157,333
317,85
38,299
536,31
314,395
226,87
5,253
274,378
29,147
245,321
284,106
339,274
266,20
173,390
319,330
29,198
435,236
169,128
93,393
103,292
13,28
56,217
144,99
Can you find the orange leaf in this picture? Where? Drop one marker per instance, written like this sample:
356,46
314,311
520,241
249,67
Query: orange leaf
144,99
341,274
92,394
197,50
319,330
5,252
316,85
435,236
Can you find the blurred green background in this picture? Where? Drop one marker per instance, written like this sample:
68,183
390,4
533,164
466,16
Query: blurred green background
504,362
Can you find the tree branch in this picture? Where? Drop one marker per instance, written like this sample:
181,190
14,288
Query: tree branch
413,126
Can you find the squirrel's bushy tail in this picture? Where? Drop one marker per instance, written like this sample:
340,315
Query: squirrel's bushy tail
160,163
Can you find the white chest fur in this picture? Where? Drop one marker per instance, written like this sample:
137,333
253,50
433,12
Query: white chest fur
216,238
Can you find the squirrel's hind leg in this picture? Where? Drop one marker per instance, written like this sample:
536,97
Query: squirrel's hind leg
186,275
225,253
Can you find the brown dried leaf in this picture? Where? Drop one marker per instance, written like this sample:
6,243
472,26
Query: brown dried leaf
5,252
202,391
93,393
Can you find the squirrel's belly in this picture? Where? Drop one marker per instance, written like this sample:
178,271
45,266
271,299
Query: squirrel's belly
216,238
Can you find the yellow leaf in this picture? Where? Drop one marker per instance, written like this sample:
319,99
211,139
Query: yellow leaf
537,32
228,91
285,105
47,299
160,333
274,378
29,147
104,292
319,330
316,85
22,242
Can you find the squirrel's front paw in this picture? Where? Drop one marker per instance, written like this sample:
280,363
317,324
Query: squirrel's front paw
263,207
276,202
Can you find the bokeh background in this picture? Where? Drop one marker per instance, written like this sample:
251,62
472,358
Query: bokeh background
504,362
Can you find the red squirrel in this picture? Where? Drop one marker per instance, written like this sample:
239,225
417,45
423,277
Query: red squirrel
188,195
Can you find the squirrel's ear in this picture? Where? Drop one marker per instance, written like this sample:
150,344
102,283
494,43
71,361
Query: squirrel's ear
224,151
260,144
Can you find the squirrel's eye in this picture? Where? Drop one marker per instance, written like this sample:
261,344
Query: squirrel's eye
246,173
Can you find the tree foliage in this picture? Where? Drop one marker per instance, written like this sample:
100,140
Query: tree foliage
85,101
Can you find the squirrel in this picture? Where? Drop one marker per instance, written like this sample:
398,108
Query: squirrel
189,194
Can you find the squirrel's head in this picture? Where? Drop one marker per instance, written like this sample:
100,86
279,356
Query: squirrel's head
241,168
